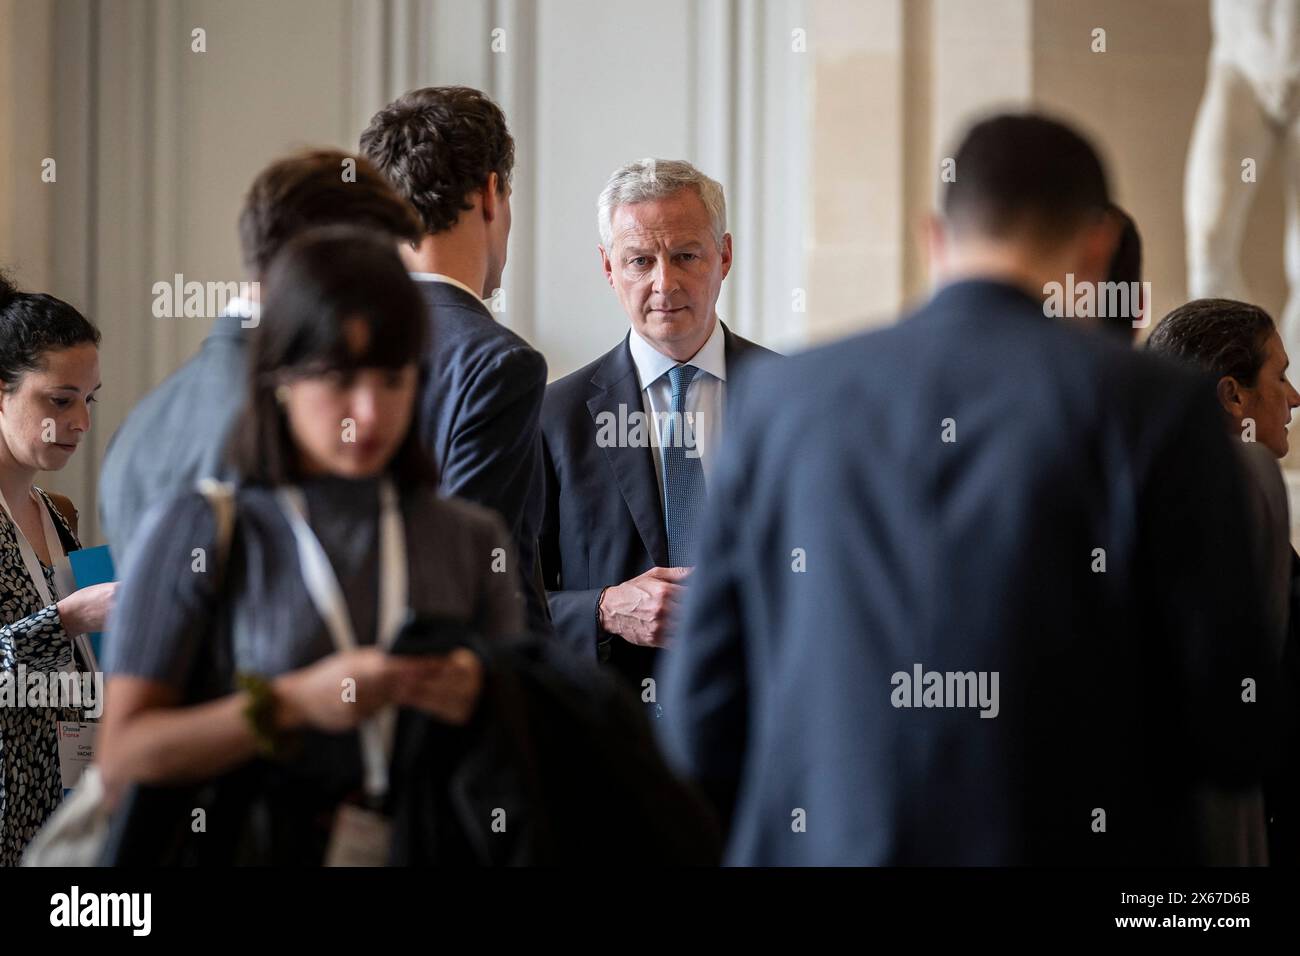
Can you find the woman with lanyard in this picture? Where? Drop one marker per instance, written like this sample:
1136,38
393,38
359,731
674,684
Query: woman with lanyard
338,534
49,373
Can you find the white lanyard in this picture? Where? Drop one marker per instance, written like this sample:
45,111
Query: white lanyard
55,546
323,586
63,582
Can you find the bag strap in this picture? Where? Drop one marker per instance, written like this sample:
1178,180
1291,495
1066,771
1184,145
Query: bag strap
151,824
64,506
221,496
216,675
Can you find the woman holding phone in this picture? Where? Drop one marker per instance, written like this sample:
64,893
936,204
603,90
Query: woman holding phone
338,536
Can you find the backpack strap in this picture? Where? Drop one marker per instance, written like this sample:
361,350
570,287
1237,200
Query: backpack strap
221,496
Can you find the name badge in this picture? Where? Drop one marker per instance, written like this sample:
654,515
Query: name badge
360,837
76,750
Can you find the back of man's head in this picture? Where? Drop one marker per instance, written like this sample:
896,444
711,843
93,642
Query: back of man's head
1024,177
437,146
320,187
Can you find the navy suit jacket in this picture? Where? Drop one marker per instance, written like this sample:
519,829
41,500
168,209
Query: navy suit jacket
604,521
944,493
481,398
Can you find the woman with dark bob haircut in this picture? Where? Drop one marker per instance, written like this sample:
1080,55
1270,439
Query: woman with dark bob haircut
49,374
338,536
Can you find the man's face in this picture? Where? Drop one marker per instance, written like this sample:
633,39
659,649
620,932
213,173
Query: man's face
1270,400
667,270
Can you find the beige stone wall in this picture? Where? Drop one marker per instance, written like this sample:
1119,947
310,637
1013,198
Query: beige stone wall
895,81
26,75
892,81
855,262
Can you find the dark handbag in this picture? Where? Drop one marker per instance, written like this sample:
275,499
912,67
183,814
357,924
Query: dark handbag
558,767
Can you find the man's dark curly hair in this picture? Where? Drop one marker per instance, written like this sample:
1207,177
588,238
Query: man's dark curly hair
437,146
311,190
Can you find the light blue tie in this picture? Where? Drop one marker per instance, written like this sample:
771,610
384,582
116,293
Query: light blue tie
683,475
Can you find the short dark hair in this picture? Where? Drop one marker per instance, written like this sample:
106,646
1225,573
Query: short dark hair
1025,174
1126,268
437,146
1222,336
31,324
319,282
313,189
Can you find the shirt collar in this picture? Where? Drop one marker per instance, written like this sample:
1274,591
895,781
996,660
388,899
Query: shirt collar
439,277
244,308
651,364
238,316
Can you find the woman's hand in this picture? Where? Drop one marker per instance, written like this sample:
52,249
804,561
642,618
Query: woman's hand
338,692
341,691
446,687
86,610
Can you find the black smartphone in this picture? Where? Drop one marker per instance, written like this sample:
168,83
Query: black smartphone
431,634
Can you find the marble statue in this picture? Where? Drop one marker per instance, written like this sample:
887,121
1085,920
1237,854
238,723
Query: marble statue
1248,118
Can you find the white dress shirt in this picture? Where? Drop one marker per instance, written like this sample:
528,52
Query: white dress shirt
702,424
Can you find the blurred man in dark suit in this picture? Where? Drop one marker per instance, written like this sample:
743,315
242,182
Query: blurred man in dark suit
177,433
963,600
631,438
448,151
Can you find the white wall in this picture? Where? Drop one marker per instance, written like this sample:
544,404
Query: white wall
714,83
631,78
157,145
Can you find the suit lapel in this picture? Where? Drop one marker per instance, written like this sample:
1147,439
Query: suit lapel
734,346
616,384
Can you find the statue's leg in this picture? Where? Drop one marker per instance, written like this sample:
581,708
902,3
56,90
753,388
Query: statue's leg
1231,126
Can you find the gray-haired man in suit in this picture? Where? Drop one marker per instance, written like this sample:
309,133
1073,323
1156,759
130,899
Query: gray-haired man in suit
630,439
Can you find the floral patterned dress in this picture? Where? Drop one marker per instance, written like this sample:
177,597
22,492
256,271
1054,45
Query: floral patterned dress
31,636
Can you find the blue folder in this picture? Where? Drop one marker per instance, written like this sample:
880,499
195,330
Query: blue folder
92,566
